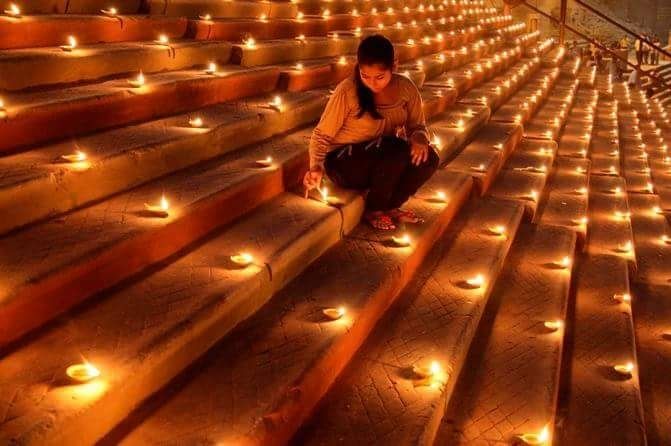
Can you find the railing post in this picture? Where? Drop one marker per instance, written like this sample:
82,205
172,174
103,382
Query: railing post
562,21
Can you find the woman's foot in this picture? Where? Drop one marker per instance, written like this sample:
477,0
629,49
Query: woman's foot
405,216
380,220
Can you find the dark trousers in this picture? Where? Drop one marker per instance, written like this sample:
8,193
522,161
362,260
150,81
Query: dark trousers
384,167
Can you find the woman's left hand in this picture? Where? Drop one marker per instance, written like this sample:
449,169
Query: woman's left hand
419,153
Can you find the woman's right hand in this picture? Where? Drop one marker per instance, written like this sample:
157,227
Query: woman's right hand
313,178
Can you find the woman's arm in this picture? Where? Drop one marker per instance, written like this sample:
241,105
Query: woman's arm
330,123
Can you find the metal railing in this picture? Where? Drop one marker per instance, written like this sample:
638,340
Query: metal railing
564,26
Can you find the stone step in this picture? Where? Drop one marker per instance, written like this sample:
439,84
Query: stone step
123,158
78,6
611,233
33,67
567,198
651,239
379,400
652,313
601,406
39,117
262,29
53,30
483,158
524,175
142,335
512,384
104,244
232,9
528,100
270,374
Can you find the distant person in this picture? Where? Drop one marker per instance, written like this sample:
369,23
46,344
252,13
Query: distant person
655,53
645,48
356,144
638,47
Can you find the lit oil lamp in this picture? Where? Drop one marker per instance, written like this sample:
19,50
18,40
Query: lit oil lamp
13,11
206,17
196,122
263,17
564,263
301,38
299,66
71,45
553,325
110,12
265,162
162,40
138,81
250,43
624,369
342,60
82,372
76,157
326,198
3,110
539,438
476,281
423,372
160,209
403,240
211,68
276,103
665,239
531,195
242,259
300,16
623,298
326,14
498,230
479,168
440,196
334,313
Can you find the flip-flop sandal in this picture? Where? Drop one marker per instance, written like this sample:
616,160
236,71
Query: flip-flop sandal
405,216
381,221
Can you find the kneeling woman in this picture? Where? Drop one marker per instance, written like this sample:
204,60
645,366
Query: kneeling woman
359,141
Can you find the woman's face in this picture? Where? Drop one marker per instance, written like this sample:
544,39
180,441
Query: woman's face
375,76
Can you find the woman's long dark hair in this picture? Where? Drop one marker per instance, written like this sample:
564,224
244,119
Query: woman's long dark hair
375,49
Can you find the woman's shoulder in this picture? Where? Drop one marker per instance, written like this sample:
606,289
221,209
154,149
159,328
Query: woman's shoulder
406,85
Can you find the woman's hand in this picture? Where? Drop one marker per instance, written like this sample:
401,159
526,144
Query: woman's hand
419,153
313,178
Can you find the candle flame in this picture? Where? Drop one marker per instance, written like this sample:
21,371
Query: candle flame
82,372
553,325
164,203
196,122
250,42
476,281
211,68
13,10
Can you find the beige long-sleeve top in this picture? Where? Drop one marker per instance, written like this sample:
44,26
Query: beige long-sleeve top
339,124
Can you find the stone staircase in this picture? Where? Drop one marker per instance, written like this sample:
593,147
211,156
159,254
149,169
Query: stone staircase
540,265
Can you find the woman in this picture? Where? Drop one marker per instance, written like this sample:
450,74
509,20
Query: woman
358,142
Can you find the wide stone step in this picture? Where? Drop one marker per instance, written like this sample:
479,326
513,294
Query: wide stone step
483,158
34,67
652,313
110,232
232,9
120,159
39,117
525,174
53,30
142,335
512,384
270,374
261,28
611,234
78,6
602,406
379,399
652,239
568,196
